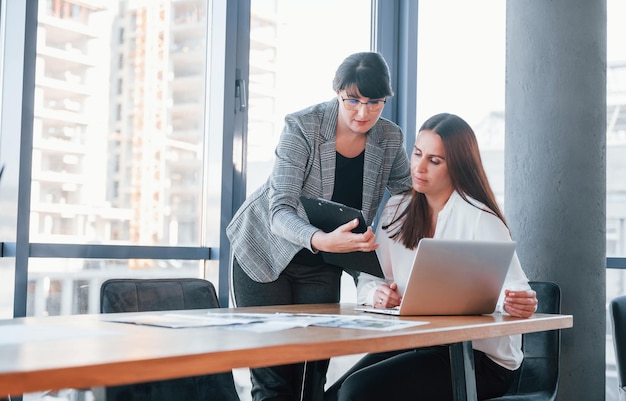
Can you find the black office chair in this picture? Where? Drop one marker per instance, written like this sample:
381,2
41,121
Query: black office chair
538,379
142,295
617,309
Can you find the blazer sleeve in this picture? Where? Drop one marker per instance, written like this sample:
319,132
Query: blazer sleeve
400,176
296,154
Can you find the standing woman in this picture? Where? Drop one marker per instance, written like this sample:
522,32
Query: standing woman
340,150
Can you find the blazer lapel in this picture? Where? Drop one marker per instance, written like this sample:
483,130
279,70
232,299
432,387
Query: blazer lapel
328,148
374,156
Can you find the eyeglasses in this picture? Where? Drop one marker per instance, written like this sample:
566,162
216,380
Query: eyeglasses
372,105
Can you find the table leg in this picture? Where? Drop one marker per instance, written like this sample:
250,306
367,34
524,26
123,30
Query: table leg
462,366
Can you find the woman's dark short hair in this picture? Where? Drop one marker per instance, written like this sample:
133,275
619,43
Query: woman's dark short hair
368,71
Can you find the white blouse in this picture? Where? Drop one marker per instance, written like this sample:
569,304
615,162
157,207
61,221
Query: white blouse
457,220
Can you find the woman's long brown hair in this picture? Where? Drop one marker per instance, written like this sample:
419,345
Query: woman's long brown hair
466,172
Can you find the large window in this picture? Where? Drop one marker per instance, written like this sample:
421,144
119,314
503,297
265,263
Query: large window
615,173
295,48
117,180
118,130
616,134
118,142
121,137
292,67
461,71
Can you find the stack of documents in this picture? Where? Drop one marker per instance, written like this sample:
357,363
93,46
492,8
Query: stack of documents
262,322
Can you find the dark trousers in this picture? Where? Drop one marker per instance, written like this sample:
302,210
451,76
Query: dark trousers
297,284
421,374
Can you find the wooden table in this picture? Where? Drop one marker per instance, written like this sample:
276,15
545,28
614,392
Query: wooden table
102,353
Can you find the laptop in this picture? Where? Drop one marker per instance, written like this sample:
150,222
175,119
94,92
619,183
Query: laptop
327,216
454,277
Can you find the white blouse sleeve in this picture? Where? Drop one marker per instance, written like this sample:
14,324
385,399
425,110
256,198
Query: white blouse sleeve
366,283
490,227
366,287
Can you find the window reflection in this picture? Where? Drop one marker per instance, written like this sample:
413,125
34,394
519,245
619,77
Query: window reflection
292,65
118,130
72,286
474,91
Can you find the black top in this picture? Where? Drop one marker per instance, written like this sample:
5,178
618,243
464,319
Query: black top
348,190
349,180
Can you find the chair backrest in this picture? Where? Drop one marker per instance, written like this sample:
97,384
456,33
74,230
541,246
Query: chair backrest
143,295
618,318
539,374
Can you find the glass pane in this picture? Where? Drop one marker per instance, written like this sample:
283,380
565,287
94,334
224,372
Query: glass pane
615,173
72,286
118,129
7,280
295,48
474,88
616,134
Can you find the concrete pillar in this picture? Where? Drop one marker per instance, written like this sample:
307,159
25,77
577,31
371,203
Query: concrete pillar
555,169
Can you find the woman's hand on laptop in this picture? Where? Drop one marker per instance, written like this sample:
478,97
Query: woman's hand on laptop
387,296
520,303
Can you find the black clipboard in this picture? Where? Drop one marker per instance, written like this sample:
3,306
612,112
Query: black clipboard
327,215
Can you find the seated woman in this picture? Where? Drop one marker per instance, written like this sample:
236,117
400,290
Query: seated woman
451,199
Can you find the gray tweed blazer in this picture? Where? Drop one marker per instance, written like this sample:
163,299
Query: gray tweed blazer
271,226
